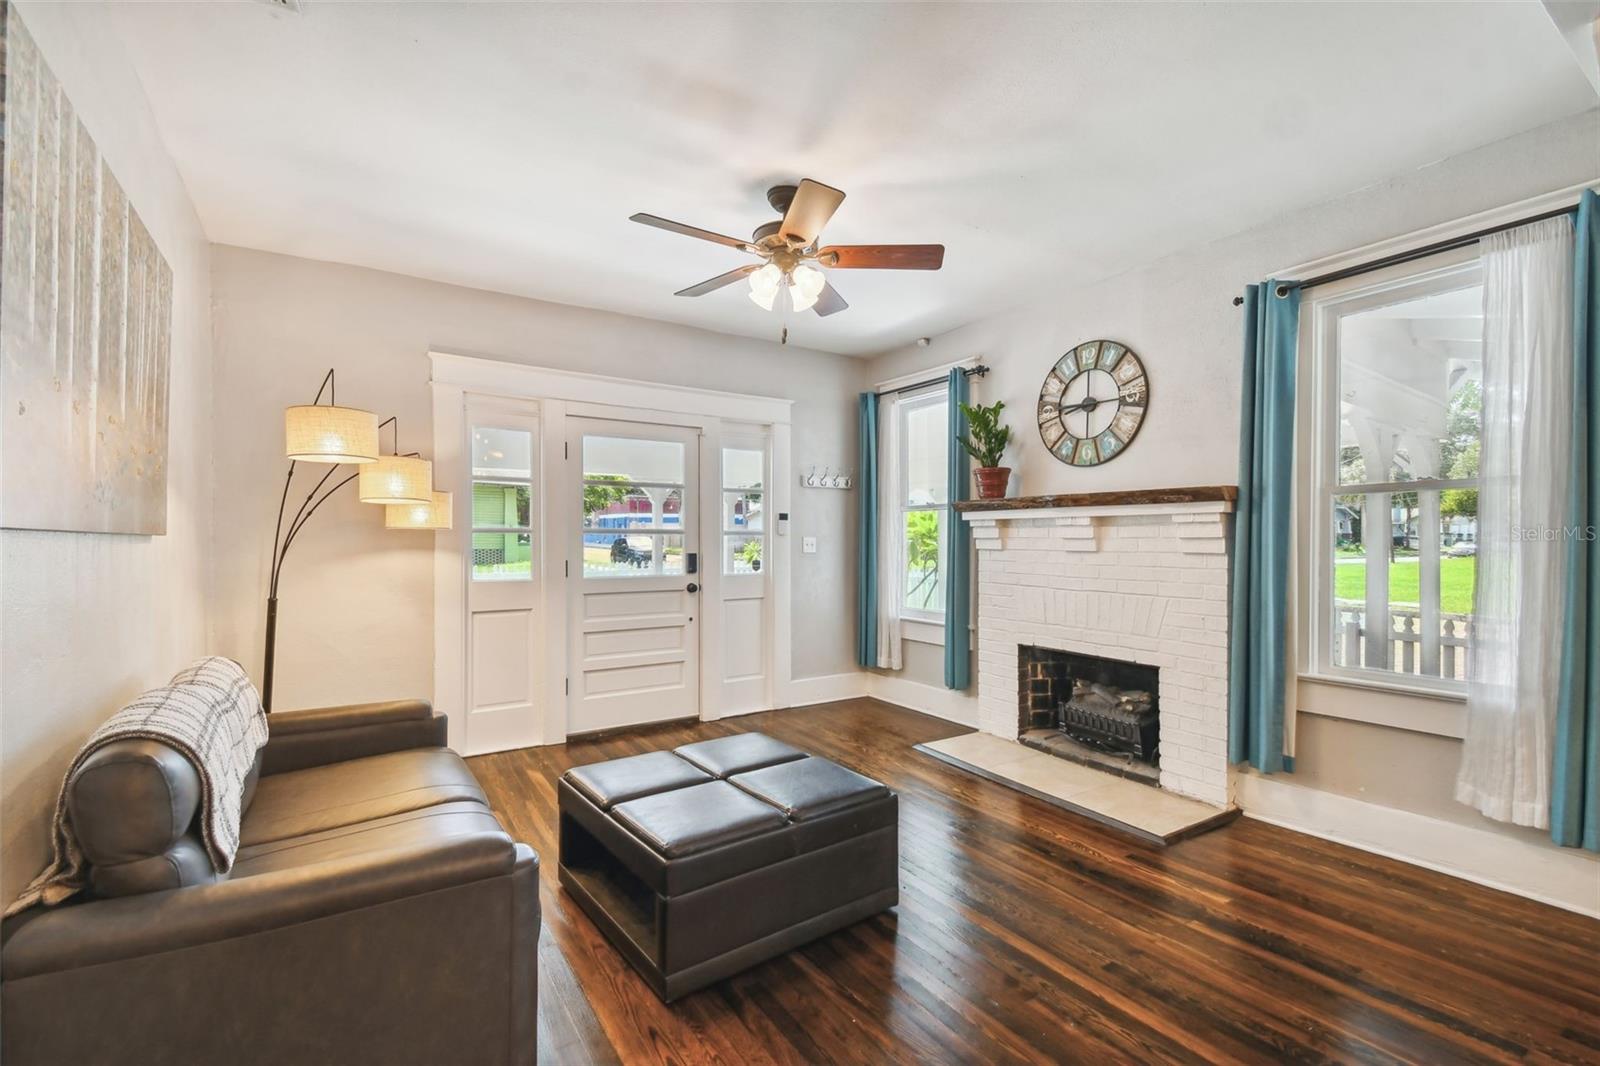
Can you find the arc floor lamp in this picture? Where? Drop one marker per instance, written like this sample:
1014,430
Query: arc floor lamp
346,436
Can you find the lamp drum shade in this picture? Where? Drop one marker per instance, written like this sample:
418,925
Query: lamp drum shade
434,515
396,479
318,433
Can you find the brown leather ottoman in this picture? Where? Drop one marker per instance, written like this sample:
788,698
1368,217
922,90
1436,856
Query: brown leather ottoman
705,860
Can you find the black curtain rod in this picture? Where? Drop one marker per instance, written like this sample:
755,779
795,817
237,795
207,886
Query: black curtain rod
970,371
1413,254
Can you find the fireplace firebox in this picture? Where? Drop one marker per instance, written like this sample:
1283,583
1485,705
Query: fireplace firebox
1100,712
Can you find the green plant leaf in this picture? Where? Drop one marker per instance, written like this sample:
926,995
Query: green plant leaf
986,438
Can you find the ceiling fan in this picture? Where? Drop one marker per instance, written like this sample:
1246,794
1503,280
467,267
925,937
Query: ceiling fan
789,272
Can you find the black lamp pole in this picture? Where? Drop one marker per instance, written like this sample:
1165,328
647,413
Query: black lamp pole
282,539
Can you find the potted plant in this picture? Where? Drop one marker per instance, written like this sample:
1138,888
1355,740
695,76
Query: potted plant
986,441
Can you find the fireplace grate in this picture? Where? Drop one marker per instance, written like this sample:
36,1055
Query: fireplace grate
1111,719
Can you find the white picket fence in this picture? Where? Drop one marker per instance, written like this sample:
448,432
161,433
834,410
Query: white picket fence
1405,641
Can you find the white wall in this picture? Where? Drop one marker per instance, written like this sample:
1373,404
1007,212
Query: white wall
89,620
356,601
1179,316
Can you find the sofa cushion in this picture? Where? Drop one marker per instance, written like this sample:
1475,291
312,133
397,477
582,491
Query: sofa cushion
685,821
336,795
132,799
417,829
737,754
606,784
809,788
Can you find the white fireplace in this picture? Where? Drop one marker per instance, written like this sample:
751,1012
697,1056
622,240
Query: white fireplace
1139,582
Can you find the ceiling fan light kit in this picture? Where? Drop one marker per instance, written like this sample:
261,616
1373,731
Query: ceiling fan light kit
791,276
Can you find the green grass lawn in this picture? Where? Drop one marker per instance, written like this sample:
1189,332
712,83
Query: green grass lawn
1456,578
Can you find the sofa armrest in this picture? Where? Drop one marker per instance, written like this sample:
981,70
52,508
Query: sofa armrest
298,739
104,931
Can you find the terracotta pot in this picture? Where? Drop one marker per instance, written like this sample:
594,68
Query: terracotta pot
992,481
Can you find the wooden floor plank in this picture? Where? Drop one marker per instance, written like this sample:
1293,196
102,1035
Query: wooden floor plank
1028,934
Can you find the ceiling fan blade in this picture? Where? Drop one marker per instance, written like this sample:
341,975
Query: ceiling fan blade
813,204
882,256
713,284
829,303
692,231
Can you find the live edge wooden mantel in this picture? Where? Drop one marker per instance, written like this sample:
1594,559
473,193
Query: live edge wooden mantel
1125,498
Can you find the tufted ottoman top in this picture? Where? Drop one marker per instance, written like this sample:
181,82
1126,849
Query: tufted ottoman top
717,792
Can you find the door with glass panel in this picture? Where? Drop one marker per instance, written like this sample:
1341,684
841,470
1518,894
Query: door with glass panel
504,584
634,572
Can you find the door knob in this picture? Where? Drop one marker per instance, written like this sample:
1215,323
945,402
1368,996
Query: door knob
692,587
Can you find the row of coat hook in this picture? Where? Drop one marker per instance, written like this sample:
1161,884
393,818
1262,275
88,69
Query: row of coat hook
827,480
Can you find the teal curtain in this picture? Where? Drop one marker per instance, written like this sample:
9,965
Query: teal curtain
1258,620
1575,785
867,548
958,572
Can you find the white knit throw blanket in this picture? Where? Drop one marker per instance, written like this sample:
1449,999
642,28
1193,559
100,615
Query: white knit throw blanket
211,714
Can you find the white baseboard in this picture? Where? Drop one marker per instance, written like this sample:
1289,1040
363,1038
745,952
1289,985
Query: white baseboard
803,691
1562,877
949,704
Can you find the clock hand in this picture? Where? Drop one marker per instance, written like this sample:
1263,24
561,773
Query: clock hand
1084,404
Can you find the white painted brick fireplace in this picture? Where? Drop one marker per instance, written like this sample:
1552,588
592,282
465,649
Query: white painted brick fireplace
1144,583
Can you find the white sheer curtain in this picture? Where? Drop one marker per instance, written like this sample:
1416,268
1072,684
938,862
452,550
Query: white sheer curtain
891,534
1522,507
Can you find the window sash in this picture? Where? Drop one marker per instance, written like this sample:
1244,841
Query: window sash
933,614
903,410
733,537
1321,364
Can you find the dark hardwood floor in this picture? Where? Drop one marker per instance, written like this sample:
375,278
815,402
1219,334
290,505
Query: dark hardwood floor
1026,934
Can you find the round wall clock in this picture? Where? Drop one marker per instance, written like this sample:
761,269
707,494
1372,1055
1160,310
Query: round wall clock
1093,402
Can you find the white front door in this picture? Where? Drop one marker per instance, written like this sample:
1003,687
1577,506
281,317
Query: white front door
503,587
633,569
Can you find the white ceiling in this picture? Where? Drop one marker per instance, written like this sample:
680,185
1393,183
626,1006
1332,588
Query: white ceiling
504,146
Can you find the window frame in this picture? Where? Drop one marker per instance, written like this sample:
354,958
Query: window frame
1317,476
743,443
933,396
491,420
658,532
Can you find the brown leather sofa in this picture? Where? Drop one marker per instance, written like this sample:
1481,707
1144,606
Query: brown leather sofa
377,911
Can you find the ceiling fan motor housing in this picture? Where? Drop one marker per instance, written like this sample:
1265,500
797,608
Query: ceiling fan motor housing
781,196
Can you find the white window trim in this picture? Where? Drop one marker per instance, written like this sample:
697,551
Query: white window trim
933,394
1413,703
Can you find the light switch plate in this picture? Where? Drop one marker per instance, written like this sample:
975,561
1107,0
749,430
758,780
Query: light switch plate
808,545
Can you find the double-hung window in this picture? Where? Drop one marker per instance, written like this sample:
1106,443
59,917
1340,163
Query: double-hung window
922,467
1391,426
